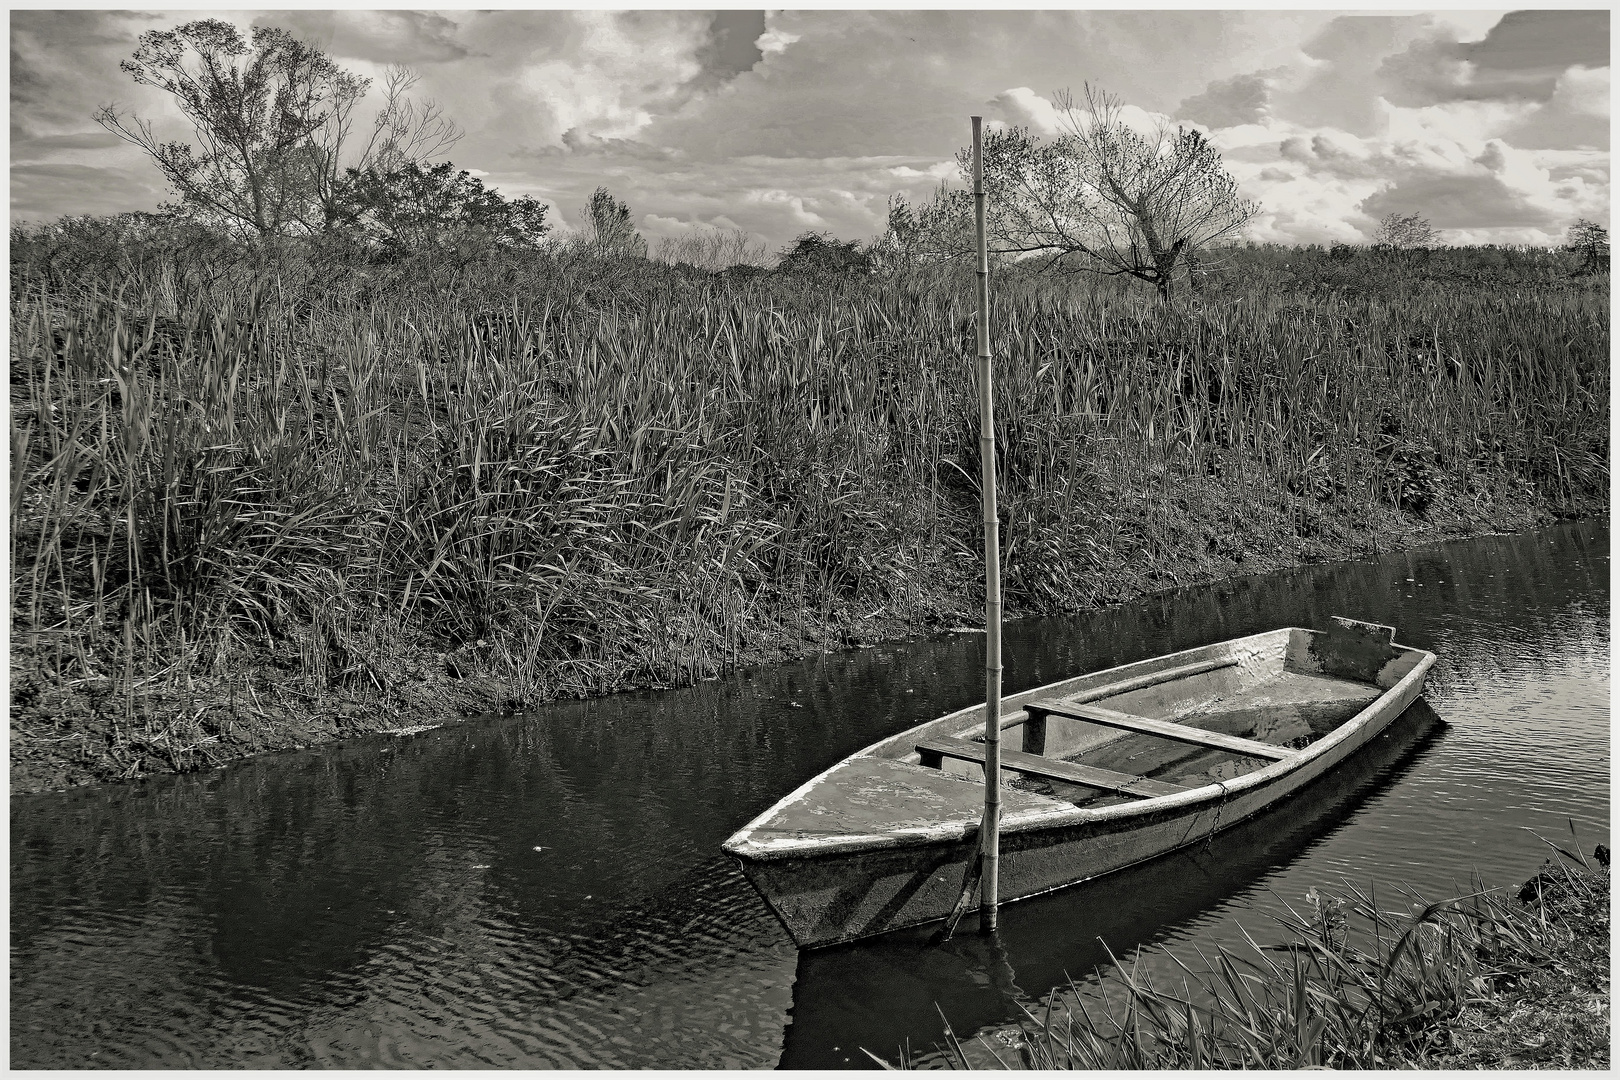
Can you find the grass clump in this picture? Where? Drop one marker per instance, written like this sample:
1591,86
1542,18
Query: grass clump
1494,979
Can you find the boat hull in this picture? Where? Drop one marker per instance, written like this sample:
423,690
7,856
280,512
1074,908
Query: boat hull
831,896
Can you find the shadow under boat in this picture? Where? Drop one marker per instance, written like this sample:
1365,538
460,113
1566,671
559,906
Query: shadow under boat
880,992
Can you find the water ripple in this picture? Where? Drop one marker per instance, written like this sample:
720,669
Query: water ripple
547,892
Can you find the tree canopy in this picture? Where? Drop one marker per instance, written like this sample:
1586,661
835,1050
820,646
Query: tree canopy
410,206
1405,231
822,253
272,119
608,229
1590,240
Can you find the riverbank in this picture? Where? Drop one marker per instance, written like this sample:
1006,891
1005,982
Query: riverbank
92,731
1554,1014
266,498
1498,979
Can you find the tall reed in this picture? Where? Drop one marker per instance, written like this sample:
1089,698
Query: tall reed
586,475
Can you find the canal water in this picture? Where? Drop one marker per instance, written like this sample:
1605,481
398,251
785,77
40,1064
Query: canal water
548,891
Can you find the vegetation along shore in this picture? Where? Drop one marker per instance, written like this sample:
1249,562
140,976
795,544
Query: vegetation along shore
1493,979
269,495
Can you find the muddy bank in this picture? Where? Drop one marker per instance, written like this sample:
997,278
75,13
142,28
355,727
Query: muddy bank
1553,1012
1490,979
183,718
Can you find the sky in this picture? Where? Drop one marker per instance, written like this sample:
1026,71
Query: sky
1492,125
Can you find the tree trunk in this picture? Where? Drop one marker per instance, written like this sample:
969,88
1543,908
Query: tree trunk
1164,264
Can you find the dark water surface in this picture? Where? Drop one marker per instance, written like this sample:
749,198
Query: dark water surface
548,891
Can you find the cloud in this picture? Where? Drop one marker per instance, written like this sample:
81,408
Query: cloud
733,45
1499,188
38,191
601,75
99,139
1576,115
379,37
774,41
1549,41
1023,107
1583,91
64,64
1521,58
1242,99
1331,86
942,170
1440,161
576,141
783,121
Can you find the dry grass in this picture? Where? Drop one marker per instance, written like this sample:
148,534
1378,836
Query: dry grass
581,475
1486,980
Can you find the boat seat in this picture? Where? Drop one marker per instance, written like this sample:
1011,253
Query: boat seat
933,751
1164,729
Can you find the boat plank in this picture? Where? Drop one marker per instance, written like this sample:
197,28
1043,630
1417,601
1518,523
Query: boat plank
1164,729
1049,769
1152,678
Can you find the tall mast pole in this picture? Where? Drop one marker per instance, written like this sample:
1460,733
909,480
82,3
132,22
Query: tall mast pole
990,828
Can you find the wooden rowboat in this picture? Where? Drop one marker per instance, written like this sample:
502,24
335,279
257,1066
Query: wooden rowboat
1112,768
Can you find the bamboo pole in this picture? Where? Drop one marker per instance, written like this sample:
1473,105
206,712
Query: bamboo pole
990,828
984,865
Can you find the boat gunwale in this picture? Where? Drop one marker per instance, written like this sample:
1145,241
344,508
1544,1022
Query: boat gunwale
743,845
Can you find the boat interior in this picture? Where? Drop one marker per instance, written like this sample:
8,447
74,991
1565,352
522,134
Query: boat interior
1131,733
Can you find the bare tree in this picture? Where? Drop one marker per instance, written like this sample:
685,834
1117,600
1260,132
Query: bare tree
1404,232
270,119
1100,197
1147,200
713,249
402,133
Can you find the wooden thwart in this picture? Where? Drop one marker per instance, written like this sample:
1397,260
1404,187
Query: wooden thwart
932,750
1152,678
1164,729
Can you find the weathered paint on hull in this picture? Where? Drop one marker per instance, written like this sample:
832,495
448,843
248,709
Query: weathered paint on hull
836,897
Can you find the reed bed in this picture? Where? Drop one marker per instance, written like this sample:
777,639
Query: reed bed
1494,978
574,475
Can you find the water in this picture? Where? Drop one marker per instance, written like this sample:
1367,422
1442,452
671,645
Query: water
548,891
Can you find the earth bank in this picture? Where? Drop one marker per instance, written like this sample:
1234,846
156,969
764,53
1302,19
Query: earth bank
102,729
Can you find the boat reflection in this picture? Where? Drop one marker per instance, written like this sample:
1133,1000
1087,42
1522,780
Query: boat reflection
884,992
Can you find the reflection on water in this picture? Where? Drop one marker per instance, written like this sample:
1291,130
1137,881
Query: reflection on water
862,993
548,891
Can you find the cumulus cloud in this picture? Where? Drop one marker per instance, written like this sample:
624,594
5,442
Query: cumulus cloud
1242,99
378,37
1575,116
1521,58
1023,107
940,170
775,40
1493,129
782,121
1583,91
616,72
1441,161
